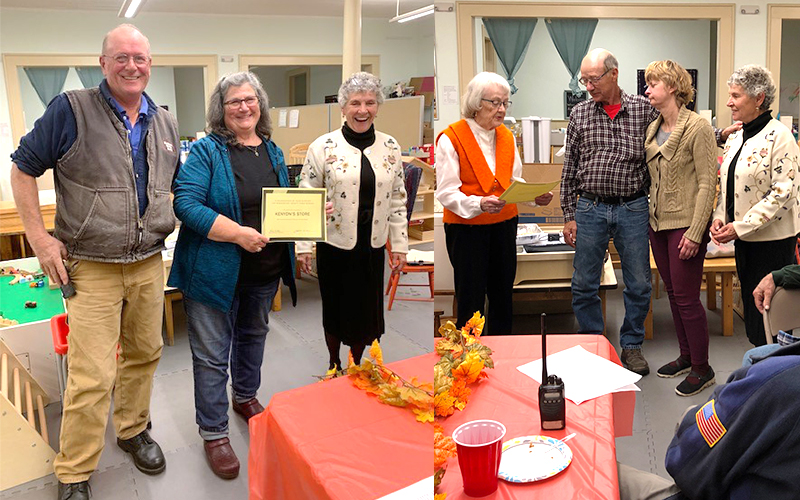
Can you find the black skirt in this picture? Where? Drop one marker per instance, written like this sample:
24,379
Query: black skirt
351,286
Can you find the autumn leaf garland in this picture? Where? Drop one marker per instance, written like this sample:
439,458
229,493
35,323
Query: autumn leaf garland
462,362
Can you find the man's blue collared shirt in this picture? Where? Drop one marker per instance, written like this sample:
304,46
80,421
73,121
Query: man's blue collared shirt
56,131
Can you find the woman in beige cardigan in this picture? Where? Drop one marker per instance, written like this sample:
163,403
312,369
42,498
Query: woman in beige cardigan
362,171
680,150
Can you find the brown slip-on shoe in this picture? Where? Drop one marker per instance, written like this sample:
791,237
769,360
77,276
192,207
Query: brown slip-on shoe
248,409
221,458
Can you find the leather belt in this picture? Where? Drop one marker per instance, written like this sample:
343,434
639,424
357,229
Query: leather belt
612,200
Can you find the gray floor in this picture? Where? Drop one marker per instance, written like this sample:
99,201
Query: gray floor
295,352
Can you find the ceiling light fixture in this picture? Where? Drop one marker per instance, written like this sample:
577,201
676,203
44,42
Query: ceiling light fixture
410,16
130,8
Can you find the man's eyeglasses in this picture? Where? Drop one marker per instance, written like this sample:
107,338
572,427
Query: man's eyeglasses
497,102
122,59
236,103
595,80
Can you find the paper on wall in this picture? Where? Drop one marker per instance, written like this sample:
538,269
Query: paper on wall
294,118
585,375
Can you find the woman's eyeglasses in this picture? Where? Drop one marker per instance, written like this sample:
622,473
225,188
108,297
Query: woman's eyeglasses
236,103
497,102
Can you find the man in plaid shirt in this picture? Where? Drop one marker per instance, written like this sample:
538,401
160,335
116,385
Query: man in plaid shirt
604,186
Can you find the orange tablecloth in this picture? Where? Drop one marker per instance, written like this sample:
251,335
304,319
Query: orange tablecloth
511,398
333,441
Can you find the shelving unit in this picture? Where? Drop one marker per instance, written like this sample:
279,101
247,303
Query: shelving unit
422,232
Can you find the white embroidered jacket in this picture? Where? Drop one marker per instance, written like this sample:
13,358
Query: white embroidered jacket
766,205
332,163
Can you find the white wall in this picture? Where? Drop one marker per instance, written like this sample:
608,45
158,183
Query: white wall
750,45
404,49
543,78
326,80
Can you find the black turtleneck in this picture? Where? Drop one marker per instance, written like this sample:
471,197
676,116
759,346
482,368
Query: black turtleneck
366,191
749,130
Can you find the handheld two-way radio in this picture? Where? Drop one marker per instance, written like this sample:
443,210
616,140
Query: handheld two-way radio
552,406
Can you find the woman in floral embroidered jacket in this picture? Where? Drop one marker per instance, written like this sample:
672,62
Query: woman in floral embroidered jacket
758,206
362,171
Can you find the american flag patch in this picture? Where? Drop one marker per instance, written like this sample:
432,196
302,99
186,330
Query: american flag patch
709,425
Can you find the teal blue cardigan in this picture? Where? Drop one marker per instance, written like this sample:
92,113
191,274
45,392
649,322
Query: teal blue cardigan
204,270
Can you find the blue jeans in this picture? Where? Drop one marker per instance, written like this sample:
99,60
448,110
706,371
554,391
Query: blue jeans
628,224
758,352
215,337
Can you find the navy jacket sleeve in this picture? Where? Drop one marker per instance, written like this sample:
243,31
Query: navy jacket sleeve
52,136
757,457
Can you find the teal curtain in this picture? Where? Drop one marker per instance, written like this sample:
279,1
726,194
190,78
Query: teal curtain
510,38
90,76
572,38
48,82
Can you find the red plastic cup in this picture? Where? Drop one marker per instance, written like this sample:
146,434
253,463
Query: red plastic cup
479,445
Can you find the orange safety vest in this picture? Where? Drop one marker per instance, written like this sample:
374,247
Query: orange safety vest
476,177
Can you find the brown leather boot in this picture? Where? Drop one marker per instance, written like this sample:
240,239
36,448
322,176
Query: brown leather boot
221,458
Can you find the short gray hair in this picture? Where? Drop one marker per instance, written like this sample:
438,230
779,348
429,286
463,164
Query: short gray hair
610,62
360,82
471,100
215,115
755,80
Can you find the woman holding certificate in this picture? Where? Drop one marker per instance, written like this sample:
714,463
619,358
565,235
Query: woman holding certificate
362,172
228,272
476,161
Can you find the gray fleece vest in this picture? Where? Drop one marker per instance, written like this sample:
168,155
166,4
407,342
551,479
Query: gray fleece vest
97,211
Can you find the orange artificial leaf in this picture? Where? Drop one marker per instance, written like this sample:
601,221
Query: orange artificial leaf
376,353
443,447
443,404
439,496
470,369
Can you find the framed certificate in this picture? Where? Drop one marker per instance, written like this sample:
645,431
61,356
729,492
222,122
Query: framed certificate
293,214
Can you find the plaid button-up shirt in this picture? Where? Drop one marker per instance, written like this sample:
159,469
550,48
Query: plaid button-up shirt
604,156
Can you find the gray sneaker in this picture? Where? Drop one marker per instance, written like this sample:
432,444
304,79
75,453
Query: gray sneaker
633,360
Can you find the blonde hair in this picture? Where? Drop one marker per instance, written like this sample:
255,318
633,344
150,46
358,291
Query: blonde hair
672,75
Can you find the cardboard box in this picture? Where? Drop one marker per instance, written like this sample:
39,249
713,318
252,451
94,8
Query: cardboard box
427,134
550,214
424,86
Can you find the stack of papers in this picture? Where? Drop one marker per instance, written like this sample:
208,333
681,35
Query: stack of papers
585,375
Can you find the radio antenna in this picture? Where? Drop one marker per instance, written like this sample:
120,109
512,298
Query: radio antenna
544,350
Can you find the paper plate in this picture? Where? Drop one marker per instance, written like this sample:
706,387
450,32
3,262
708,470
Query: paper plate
533,458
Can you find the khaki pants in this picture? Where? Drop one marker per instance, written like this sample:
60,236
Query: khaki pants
115,304
635,484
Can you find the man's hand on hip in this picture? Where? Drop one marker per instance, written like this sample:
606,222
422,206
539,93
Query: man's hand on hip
51,254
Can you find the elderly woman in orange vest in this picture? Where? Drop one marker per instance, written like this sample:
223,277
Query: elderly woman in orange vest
476,160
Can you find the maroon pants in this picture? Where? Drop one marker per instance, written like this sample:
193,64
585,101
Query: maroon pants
682,279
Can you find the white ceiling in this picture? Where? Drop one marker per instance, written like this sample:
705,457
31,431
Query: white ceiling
334,8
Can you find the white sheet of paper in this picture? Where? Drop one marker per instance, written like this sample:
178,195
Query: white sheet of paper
585,375
294,118
422,490
282,118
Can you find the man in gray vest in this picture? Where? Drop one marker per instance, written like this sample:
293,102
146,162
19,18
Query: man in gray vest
114,155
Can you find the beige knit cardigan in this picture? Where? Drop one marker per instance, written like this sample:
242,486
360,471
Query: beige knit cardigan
683,174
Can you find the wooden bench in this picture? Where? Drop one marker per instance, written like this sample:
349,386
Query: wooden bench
726,266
